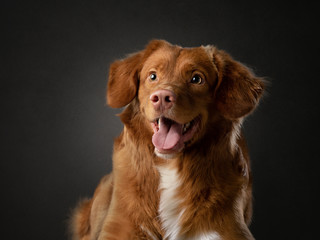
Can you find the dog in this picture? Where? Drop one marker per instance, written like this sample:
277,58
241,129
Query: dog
181,167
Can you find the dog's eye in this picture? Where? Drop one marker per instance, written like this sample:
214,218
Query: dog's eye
153,76
196,79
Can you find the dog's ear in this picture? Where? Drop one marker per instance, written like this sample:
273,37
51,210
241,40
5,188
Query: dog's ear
123,80
238,90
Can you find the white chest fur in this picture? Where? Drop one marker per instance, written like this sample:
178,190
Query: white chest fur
170,210
169,203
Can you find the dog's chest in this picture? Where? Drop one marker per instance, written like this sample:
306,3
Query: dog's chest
171,208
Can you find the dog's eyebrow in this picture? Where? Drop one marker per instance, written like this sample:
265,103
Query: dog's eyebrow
192,67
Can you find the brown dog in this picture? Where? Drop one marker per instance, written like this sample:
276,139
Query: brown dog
180,167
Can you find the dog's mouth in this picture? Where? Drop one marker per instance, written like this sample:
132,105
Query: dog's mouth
170,136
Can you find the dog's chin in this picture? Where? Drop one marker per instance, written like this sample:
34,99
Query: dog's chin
166,154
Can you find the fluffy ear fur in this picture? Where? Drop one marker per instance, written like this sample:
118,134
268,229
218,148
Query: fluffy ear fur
238,90
123,80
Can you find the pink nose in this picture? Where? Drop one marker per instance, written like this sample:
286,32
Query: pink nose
162,99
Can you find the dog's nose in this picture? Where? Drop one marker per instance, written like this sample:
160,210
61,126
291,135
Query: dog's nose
163,99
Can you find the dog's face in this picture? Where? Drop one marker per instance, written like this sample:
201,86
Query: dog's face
177,89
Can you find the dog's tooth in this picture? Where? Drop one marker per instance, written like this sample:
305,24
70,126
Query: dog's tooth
187,125
184,129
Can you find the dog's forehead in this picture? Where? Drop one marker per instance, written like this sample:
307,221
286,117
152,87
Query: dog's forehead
170,57
195,57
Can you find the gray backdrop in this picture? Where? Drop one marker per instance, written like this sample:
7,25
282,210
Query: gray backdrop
57,131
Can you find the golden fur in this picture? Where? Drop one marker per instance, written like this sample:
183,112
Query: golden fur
200,188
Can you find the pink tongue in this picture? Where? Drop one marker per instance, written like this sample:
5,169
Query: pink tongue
168,135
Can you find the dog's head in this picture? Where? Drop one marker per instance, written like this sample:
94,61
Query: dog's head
178,89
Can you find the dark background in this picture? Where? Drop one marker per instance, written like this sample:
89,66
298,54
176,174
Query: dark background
57,132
